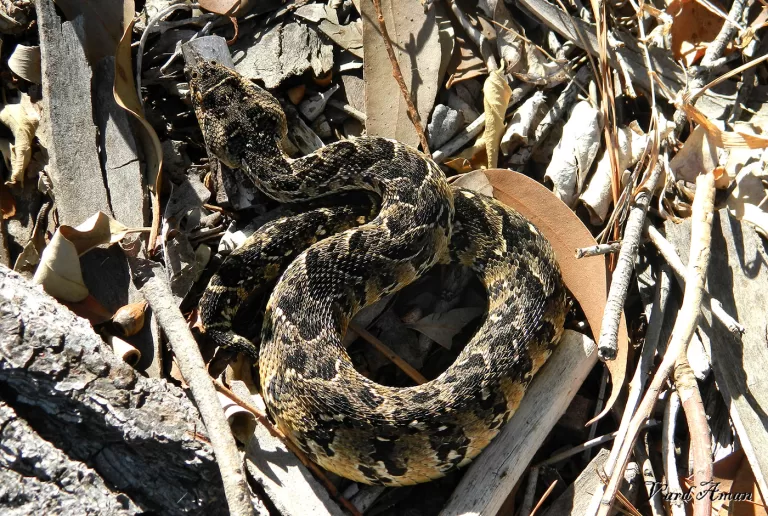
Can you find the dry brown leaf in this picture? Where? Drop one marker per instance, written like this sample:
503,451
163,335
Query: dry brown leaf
126,97
223,7
385,108
749,200
25,62
443,327
22,119
464,64
7,203
59,268
104,23
130,318
585,278
693,28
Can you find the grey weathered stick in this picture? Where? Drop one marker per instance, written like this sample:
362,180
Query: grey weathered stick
668,454
685,325
630,244
157,292
492,476
668,252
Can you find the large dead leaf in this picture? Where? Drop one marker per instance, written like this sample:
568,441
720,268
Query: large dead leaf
104,23
125,95
416,44
586,277
496,94
719,137
59,269
693,28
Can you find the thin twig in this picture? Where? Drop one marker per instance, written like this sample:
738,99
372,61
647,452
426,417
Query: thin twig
477,37
413,114
668,252
598,250
637,384
614,306
700,438
544,498
157,292
687,319
262,418
668,454
387,352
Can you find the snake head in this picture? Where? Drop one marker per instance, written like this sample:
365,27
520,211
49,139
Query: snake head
233,113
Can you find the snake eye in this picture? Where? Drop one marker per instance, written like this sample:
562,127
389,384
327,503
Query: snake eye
214,63
195,75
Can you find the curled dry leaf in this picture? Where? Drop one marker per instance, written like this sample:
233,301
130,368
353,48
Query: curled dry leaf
719,137
22,119
575,152
123,350
59,269
130,318
585,278
484,153
126,97
242,421
693,28
749,200
496,95
25,62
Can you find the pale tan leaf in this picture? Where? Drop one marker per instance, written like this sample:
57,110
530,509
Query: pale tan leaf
724,139
25,62
749,200
476,181
59,268
416,43
496,95
698,156
586,277
22,119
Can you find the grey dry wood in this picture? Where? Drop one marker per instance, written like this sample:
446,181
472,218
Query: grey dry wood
493,475
738,277
576,498
67,128
28,465
142,436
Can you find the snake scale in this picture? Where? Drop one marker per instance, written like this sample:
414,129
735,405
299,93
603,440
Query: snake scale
331,261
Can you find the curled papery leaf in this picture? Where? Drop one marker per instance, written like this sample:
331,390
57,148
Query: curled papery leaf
130,318
59,268
242,422
25,62
22,119
124,350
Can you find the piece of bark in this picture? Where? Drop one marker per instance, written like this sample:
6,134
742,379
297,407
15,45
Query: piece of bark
118,151
493,475
37,477
738,277
67,130
142,436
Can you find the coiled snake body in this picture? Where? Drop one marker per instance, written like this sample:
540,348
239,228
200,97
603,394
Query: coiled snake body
336,260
